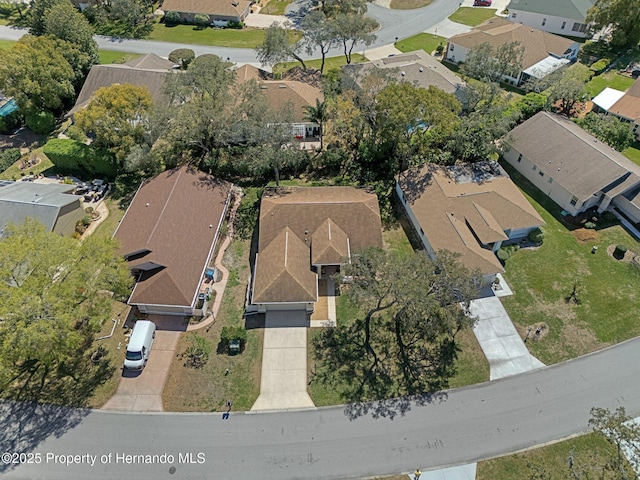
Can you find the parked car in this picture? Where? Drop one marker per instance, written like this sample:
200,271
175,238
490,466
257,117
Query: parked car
481,3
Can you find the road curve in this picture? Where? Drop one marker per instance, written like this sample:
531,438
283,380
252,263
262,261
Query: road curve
460,426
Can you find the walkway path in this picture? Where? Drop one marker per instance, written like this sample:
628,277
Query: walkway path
283,385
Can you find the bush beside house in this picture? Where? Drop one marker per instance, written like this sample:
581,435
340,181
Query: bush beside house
73,156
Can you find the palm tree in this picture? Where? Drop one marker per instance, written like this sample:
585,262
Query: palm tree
317,114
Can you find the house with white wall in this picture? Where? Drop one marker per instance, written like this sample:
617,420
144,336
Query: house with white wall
624,105
467,209
561,17
542,52
572,167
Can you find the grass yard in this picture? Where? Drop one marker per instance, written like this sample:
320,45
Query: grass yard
472,16
14,172
108,226
552,459
633,153
112,56
6,44
207,389
422,41
275,7
611,79
330,63
245,38
409,4
9,14
543,278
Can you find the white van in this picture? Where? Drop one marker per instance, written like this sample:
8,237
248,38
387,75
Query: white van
140,344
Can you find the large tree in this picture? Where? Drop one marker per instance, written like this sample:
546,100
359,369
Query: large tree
64,21
352,29
36,15
318,114
619,18
277,48
37,74
404,340
118,116
485,62
121,18
54,296
567,86
611,130
318,34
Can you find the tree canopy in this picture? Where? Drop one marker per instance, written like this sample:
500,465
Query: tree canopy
404,338
620,18
609,129
485,62
277,48
53,299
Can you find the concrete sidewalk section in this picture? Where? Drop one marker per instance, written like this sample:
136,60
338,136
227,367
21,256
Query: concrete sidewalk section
447,29
506,352
283,385
461,472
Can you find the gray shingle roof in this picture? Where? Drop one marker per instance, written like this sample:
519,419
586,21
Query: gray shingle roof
574,9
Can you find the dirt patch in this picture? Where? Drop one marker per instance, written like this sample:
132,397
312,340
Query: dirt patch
535,332
585,235
581,338
559,309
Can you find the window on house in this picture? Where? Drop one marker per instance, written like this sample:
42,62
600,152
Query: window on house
541,173
451,48
519,158
635,128
534,168
579,27
544,22
550,180
564,24
574,200
513,15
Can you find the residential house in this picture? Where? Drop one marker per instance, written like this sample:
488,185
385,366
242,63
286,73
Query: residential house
624,105
561,17
220,12
572,167
470,210
286,94
305,234
542,52
168,236
148,71
53,205
417,67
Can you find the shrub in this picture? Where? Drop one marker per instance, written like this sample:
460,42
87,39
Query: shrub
619,251
171,18
182,57
536,235
8,157
10,122
590,225
86,220
198,351
233,333
73,156
503,255
235,25
201,20
88,210
600,66
40,122
440,48
75,133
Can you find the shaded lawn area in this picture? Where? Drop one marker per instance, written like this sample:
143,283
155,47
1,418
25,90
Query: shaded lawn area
610,79
275,7
14,172
472,364
422,41
245,38
553,458
329,63
112,56
633,153
9,14
409,4
207,389
108,226
472,16
542,279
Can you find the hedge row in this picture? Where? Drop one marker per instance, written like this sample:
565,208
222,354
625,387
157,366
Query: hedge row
72,156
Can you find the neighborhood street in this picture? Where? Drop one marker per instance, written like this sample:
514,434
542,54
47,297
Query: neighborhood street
394,23
458,427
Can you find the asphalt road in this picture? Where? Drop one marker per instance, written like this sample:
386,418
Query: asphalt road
394,23
460,426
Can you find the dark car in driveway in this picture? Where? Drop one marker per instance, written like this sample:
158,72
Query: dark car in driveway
481,3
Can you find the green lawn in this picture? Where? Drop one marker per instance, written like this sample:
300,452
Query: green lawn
408,4
422,41
275,7
542,278
611,79
9,14
472,16
554,459
329,63
6,43
14,172
112,56
245,38
633,153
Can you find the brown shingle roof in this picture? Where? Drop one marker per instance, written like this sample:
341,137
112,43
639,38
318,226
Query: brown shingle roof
537,44
227,8
417,68
298,94
329,244
575,159
456,208
172,221
306,213
247,72
629,105
150,61
107,75
283,272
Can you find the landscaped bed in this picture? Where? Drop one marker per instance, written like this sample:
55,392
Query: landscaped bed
603,308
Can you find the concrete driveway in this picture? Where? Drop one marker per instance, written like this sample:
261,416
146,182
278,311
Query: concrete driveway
142,391
283,385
